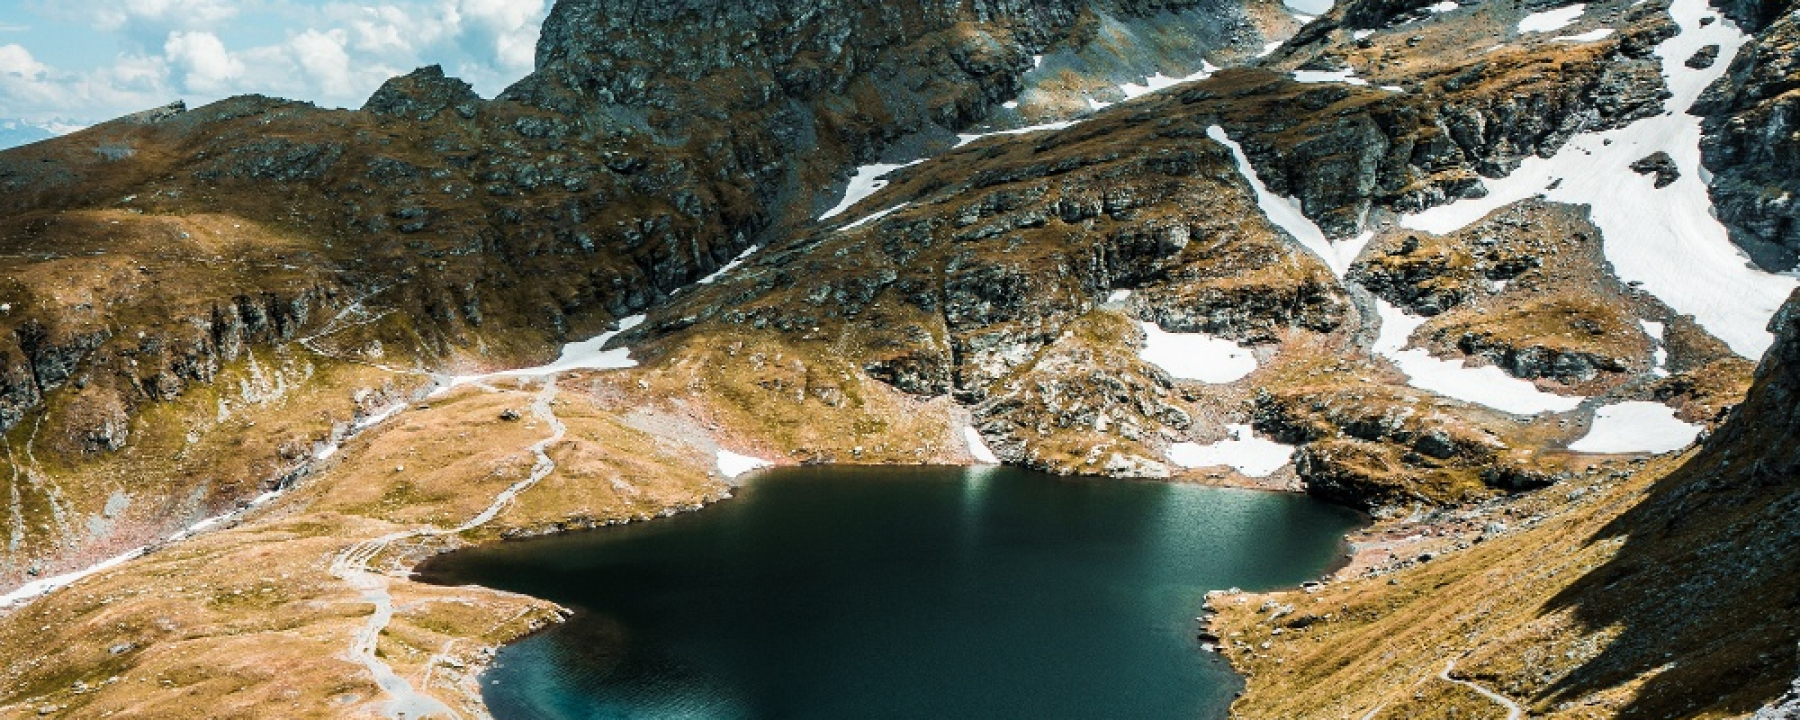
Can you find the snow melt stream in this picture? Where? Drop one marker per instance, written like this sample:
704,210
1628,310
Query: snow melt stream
1667,239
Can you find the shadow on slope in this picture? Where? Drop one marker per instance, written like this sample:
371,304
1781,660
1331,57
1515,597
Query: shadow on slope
1706,588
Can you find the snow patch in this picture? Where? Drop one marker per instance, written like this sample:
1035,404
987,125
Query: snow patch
730,266
978,448
1196,356
1361,34
1309,7
1666,239
868,180
1549,20
1659,356
732,464
1346,75
1636,427
1285,213
872,217
1487,385
1443,7
966,138
1159,81
585,355
1118,296
1589,36
1244,451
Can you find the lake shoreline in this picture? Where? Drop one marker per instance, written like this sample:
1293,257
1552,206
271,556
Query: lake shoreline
430,569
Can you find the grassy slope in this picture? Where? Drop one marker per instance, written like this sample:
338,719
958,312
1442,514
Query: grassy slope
248,621
1641,591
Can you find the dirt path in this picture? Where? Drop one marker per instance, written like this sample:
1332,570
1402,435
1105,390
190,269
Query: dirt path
1513,711
353,566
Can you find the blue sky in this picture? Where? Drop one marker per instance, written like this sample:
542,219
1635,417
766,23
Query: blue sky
77,62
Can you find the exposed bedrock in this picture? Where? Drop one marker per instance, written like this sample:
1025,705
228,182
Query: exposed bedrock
1752,143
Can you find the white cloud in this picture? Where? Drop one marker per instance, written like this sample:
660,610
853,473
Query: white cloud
142,24
113,15
204,64
506,31
389,30
16,61
322,56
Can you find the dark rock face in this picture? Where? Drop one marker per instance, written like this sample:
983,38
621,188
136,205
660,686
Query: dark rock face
985,280
1659,164
1754,15
820,83
1707,552
1569,366
1372,446
1764,431
1703,58
422,94
1752,145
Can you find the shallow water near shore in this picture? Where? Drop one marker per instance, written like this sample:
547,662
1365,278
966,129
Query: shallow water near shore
855,592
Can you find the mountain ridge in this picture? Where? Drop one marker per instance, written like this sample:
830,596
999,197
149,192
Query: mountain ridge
258,296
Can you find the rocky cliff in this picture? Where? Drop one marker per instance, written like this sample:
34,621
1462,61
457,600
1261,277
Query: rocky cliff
1750,140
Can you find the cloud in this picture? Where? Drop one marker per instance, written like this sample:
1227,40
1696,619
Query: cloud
505,31
147,22
201,58
17,62
390,30
327,65
43,94
334,52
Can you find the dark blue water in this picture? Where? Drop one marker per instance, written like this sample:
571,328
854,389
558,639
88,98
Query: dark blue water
899,593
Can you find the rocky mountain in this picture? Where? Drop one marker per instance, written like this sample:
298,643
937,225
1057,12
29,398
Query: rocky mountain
434,229
1460,259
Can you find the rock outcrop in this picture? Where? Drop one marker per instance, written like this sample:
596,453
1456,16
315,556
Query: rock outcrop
1752,140
1439,128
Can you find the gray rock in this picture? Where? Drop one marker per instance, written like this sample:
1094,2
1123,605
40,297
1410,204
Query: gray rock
1703,58
1659,164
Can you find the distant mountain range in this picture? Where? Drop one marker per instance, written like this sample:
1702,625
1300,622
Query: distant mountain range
14,133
